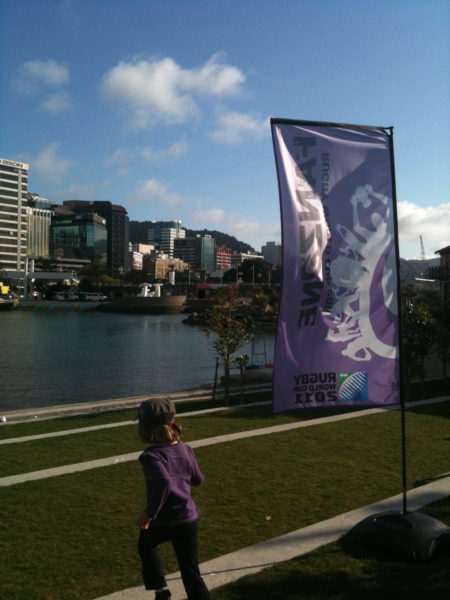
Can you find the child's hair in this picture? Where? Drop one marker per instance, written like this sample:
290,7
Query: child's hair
157,425
159,433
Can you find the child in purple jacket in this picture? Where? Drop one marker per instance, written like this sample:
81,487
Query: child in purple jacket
170,468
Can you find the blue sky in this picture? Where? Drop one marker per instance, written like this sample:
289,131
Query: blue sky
162,106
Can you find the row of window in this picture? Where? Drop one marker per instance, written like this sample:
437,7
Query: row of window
7,184
12,194
9,169
9,177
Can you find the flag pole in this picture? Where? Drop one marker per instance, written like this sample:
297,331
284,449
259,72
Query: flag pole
399,323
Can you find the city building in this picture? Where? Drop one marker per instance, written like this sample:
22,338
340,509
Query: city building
199,252
78,235
13,214
137,253
238,258
158,265
39,211
271,252
118,228
164,233
223,258
142,248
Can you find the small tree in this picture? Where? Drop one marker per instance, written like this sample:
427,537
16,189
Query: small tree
229,327
418,337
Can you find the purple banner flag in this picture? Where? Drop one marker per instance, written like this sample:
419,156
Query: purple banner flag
337,339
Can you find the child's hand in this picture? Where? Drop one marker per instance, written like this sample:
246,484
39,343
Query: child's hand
144,521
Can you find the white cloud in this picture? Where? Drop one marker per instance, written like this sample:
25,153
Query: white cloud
234,127
152,190
177,149
49,165
34,75
214,216
431,222
120,156
249,230
160,90
56,103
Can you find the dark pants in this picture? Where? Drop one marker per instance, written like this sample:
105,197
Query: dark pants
184,542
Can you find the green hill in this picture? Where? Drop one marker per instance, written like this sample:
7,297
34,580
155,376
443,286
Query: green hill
138,235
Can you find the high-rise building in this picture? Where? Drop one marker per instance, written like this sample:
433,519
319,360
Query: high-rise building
78,235
199,252
164,233
13,214
223,258
39,211
117,225
272,252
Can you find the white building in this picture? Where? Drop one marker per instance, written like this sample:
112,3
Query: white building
272,252
164,233
13,214
238,258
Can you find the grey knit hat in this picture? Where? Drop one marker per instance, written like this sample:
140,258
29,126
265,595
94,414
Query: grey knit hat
156,411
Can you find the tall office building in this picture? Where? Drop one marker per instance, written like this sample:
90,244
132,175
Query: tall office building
39,211
13,214
223,258
164,233
118,228
199,252
78,235
272,252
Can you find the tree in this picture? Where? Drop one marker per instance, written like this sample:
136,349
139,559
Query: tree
136,276
228,326
418,337
255,271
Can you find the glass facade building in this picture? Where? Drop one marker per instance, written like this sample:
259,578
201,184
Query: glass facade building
79,235
199,252
117,225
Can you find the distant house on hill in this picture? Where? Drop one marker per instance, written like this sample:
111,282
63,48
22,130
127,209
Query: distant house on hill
442,272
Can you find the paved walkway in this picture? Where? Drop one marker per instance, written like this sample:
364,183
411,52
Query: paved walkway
122,458
230,567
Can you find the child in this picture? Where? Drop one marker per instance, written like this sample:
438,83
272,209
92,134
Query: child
170,468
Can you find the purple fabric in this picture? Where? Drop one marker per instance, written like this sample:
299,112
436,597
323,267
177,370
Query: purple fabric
337,339
169,472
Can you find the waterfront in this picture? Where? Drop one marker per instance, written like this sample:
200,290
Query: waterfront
64,358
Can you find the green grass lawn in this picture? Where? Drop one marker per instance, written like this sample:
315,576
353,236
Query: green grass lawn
53,452
73,537
341,571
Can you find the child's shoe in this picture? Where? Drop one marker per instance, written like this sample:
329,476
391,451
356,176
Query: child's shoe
163,595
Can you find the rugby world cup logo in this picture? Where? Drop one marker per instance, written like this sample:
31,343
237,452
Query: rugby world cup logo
353,387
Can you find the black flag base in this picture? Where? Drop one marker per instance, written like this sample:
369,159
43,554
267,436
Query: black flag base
412,536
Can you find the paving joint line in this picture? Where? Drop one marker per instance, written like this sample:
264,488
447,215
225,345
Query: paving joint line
123,458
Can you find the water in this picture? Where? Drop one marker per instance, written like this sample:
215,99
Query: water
69,357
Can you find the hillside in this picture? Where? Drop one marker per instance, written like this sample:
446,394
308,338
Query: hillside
138,235
410,269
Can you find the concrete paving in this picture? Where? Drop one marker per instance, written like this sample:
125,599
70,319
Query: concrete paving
252,559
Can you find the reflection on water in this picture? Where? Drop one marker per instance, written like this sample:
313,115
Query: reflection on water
61,358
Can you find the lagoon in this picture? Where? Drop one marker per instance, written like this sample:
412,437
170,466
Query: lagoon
51,358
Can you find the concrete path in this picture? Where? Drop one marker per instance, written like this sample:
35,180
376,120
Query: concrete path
122,458
230,567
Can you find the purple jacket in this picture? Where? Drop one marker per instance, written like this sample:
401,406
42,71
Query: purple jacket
169,473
